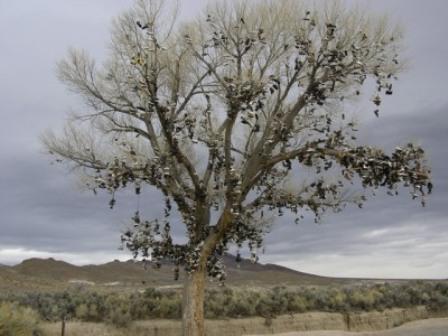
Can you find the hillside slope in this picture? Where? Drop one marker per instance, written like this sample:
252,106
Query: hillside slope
42,273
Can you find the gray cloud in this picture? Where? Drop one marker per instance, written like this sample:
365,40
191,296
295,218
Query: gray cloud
396,226
43,213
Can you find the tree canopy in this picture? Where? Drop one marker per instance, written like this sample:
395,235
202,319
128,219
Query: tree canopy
237,114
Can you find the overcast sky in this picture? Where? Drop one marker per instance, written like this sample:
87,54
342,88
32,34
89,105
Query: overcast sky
43,213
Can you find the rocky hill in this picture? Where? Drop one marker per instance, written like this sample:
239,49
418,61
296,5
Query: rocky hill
50,273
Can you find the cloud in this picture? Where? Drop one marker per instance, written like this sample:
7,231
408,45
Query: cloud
372,265
13,256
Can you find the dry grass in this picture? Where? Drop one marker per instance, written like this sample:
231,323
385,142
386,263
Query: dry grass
430,327
90,329
139,328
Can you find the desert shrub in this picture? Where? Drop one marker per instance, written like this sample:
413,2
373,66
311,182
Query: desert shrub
251,298
51,306
387,299
119,317
87,312
265,306
239,307
337,300
168,307
402,298
297,304
363,299
152,293
311,297
156,304
141,307
18,321
322,300
438,302
279,300
416,296
82,311
119,311
214,304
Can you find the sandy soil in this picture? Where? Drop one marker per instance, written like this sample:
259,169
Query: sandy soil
430,327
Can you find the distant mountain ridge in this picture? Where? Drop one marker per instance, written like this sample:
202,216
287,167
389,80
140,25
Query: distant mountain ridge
131,273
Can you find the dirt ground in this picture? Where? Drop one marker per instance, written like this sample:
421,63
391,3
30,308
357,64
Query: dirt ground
429,327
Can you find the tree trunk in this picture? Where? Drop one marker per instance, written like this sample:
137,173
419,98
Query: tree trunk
193,304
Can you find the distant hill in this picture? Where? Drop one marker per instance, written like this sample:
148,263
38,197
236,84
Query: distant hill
50,273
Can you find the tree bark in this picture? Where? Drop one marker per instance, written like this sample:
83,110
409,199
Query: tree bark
193,304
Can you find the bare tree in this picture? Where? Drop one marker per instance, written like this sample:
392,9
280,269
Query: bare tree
241,112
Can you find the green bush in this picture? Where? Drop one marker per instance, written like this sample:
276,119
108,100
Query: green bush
297,304
18,321
170,308
118,311
121,309
213,305
264,307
